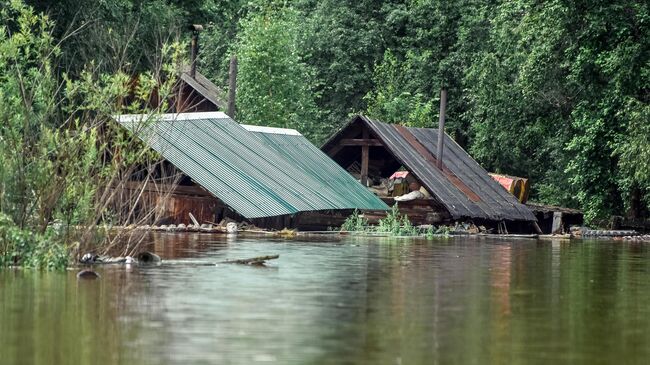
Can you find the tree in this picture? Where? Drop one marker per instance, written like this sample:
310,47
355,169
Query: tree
273,81
558,92
341,41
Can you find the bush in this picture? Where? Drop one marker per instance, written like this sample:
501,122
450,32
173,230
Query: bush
394,224
24,248
355,223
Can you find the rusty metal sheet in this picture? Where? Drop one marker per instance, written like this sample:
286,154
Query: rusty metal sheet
434,161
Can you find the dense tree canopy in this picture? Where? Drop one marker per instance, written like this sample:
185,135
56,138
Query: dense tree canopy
557,91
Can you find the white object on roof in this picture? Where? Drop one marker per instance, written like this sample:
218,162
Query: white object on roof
271,130
410,196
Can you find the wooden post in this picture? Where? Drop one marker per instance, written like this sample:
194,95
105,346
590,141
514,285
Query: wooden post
365,152
556,228
232,86
441,126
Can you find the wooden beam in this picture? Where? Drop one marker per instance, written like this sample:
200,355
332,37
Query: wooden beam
334,150
360,142
365,152
557,226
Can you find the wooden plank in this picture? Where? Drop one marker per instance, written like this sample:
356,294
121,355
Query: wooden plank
441,127
360,142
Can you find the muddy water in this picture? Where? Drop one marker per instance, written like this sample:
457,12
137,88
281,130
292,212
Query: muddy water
355,301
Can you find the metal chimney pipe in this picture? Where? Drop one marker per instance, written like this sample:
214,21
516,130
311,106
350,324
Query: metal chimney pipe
441,126
232,86
196,28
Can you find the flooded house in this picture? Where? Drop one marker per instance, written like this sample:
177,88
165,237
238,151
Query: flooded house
214,168
270,177
401,163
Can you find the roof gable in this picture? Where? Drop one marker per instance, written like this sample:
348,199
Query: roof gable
205,88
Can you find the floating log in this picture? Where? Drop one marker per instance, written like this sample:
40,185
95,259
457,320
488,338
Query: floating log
257,261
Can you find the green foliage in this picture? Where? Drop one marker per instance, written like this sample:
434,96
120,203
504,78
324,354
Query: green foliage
273,81
60,153
218,41
440,231
356,222
394,224
633,149
24,248
116,35
391,102
546,95
341,41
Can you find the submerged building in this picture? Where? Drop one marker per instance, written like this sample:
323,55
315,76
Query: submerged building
272,177
460,190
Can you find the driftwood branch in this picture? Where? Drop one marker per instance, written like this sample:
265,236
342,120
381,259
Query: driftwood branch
253,261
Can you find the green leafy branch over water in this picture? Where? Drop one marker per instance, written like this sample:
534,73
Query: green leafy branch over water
29,249
394,225
63,160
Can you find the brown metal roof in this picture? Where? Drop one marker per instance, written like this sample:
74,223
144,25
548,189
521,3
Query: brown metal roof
462,186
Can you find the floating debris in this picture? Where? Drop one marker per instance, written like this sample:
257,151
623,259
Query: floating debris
148,258
141,258
255,261
231,227
87,275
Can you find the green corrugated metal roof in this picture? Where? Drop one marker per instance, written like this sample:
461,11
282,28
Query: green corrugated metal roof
258,171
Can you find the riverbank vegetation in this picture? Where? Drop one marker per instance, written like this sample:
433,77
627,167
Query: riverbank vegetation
556,91
394,224
62,157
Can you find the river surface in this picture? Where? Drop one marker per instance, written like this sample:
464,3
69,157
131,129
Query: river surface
350,301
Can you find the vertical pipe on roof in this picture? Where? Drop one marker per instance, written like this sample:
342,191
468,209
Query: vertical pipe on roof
441,126
196,28
232,86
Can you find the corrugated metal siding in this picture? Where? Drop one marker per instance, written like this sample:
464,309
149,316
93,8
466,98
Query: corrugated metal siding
244,172
494,202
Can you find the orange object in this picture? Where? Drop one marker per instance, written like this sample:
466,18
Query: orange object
517,186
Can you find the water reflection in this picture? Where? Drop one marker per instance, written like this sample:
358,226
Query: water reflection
358,301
